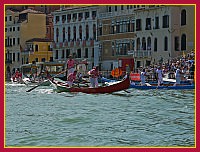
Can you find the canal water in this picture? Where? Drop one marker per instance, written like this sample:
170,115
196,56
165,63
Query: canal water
150,118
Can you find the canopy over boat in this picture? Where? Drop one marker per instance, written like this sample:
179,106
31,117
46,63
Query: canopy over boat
118,86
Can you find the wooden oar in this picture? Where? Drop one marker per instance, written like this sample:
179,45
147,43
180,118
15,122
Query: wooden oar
44,81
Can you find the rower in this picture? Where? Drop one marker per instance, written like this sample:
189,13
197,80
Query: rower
71,78
93,77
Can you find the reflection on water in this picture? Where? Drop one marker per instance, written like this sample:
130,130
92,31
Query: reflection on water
139,118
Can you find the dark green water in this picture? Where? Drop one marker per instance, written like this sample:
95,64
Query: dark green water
138,119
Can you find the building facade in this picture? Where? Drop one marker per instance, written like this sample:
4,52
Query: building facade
37,50
20,27
75,32
116,32
163,33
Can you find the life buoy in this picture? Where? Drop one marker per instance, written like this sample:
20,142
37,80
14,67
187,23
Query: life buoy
135,76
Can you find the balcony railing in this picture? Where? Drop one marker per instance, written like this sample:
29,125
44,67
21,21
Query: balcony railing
142,53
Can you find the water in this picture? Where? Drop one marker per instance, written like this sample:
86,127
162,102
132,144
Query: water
150,118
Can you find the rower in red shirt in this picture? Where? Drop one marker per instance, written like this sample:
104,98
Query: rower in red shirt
71,78
93,76
70,65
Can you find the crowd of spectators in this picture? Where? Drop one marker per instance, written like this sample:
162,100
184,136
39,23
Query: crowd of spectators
185,63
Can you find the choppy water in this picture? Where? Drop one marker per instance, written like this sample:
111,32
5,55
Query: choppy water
138,119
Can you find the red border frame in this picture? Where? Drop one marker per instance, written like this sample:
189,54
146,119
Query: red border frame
2,91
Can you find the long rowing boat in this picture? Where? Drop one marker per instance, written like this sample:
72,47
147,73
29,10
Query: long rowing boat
118,86
178,87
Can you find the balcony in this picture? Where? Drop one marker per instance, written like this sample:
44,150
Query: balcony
142,54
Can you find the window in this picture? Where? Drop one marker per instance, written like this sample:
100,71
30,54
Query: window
63,18
13,41
63,34
57,34
6,18
176,43
57,19
67,53
6,29
68,17
79,53
155,44
36,47
13,56
10,18
122,7
69,34
109,9
18,41
138,25
74,33
166,44
143,44
56,57
183,17
115,8
94,31
165,21
94,14
80,32
138,44
148,24
87,14
18,57
80,16
86,53
74,17
100,30
148,43
87,32
63,53
13,29
156,22
36,59
18,28
183,42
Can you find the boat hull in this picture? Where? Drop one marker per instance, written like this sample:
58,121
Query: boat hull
121,85
180,87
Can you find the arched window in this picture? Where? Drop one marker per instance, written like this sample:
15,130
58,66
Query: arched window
87,32
148,43
155,44
80,32
57,34
183,17
74,33
94,31
63,34
143,43
183,42
69,35
166,44
138,44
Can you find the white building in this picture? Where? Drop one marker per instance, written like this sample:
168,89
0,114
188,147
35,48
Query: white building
75,32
